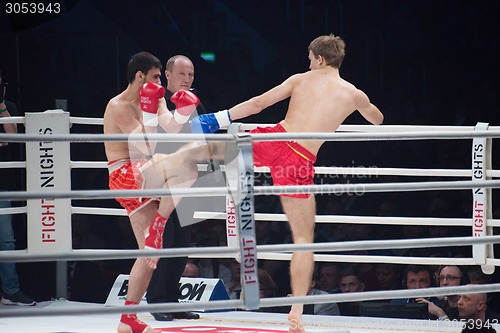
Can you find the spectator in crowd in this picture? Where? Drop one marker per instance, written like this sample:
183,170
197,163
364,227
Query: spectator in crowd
472,310
416,277
329,277
324,309
266,284
350,282
447,308
388,276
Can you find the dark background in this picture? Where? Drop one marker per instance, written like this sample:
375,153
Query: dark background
421,62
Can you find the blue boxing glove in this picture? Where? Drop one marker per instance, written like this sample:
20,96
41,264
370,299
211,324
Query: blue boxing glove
211,122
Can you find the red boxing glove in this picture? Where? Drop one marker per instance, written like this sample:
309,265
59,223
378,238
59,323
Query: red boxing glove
150,94
185,104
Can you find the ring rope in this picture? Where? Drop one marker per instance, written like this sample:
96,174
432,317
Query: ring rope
258,190
12,120
249,126
13,164
264,302
193,252
357,219
182,137
100,138
382,128
13,210
319,170
98,211
370,259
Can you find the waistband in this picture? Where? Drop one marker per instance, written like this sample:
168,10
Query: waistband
117,164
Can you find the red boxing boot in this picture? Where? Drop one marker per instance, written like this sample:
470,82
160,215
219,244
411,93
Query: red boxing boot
154,234
129,323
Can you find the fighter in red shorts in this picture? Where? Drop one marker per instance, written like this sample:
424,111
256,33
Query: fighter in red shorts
289,162
320,100
135,165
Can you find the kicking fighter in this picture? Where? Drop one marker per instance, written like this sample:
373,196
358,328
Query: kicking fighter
134,165
320,100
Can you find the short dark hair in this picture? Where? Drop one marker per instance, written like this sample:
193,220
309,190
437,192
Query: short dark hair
142,61
350,271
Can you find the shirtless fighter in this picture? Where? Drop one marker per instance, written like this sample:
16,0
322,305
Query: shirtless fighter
134,165
320,100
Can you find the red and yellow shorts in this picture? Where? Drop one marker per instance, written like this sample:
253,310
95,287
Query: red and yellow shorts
125,175
289,162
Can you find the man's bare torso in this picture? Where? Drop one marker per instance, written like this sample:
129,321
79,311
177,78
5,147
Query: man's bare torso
320,101
122,116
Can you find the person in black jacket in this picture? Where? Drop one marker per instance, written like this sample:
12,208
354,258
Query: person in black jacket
164,285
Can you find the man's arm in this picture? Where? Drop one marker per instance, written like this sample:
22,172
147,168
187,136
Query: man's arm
369,111
257,104
185,104
166,119
210,123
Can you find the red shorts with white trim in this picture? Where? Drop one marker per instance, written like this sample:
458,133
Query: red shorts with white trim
125,175
289,162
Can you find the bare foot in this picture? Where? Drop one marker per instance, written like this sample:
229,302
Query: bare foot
295,319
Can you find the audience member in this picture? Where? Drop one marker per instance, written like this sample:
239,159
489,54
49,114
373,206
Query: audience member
329,277
324,309
416,277
472,310
266,284
388,276
446,309
477,276
350,282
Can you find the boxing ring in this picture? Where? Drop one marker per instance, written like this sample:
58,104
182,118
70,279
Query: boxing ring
49,208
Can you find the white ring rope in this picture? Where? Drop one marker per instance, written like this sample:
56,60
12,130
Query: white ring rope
12,120
318,170
249,126
357,219
182,137
258,190
13,165
382,128
201,251
13,210
264,302
86,120
98,211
